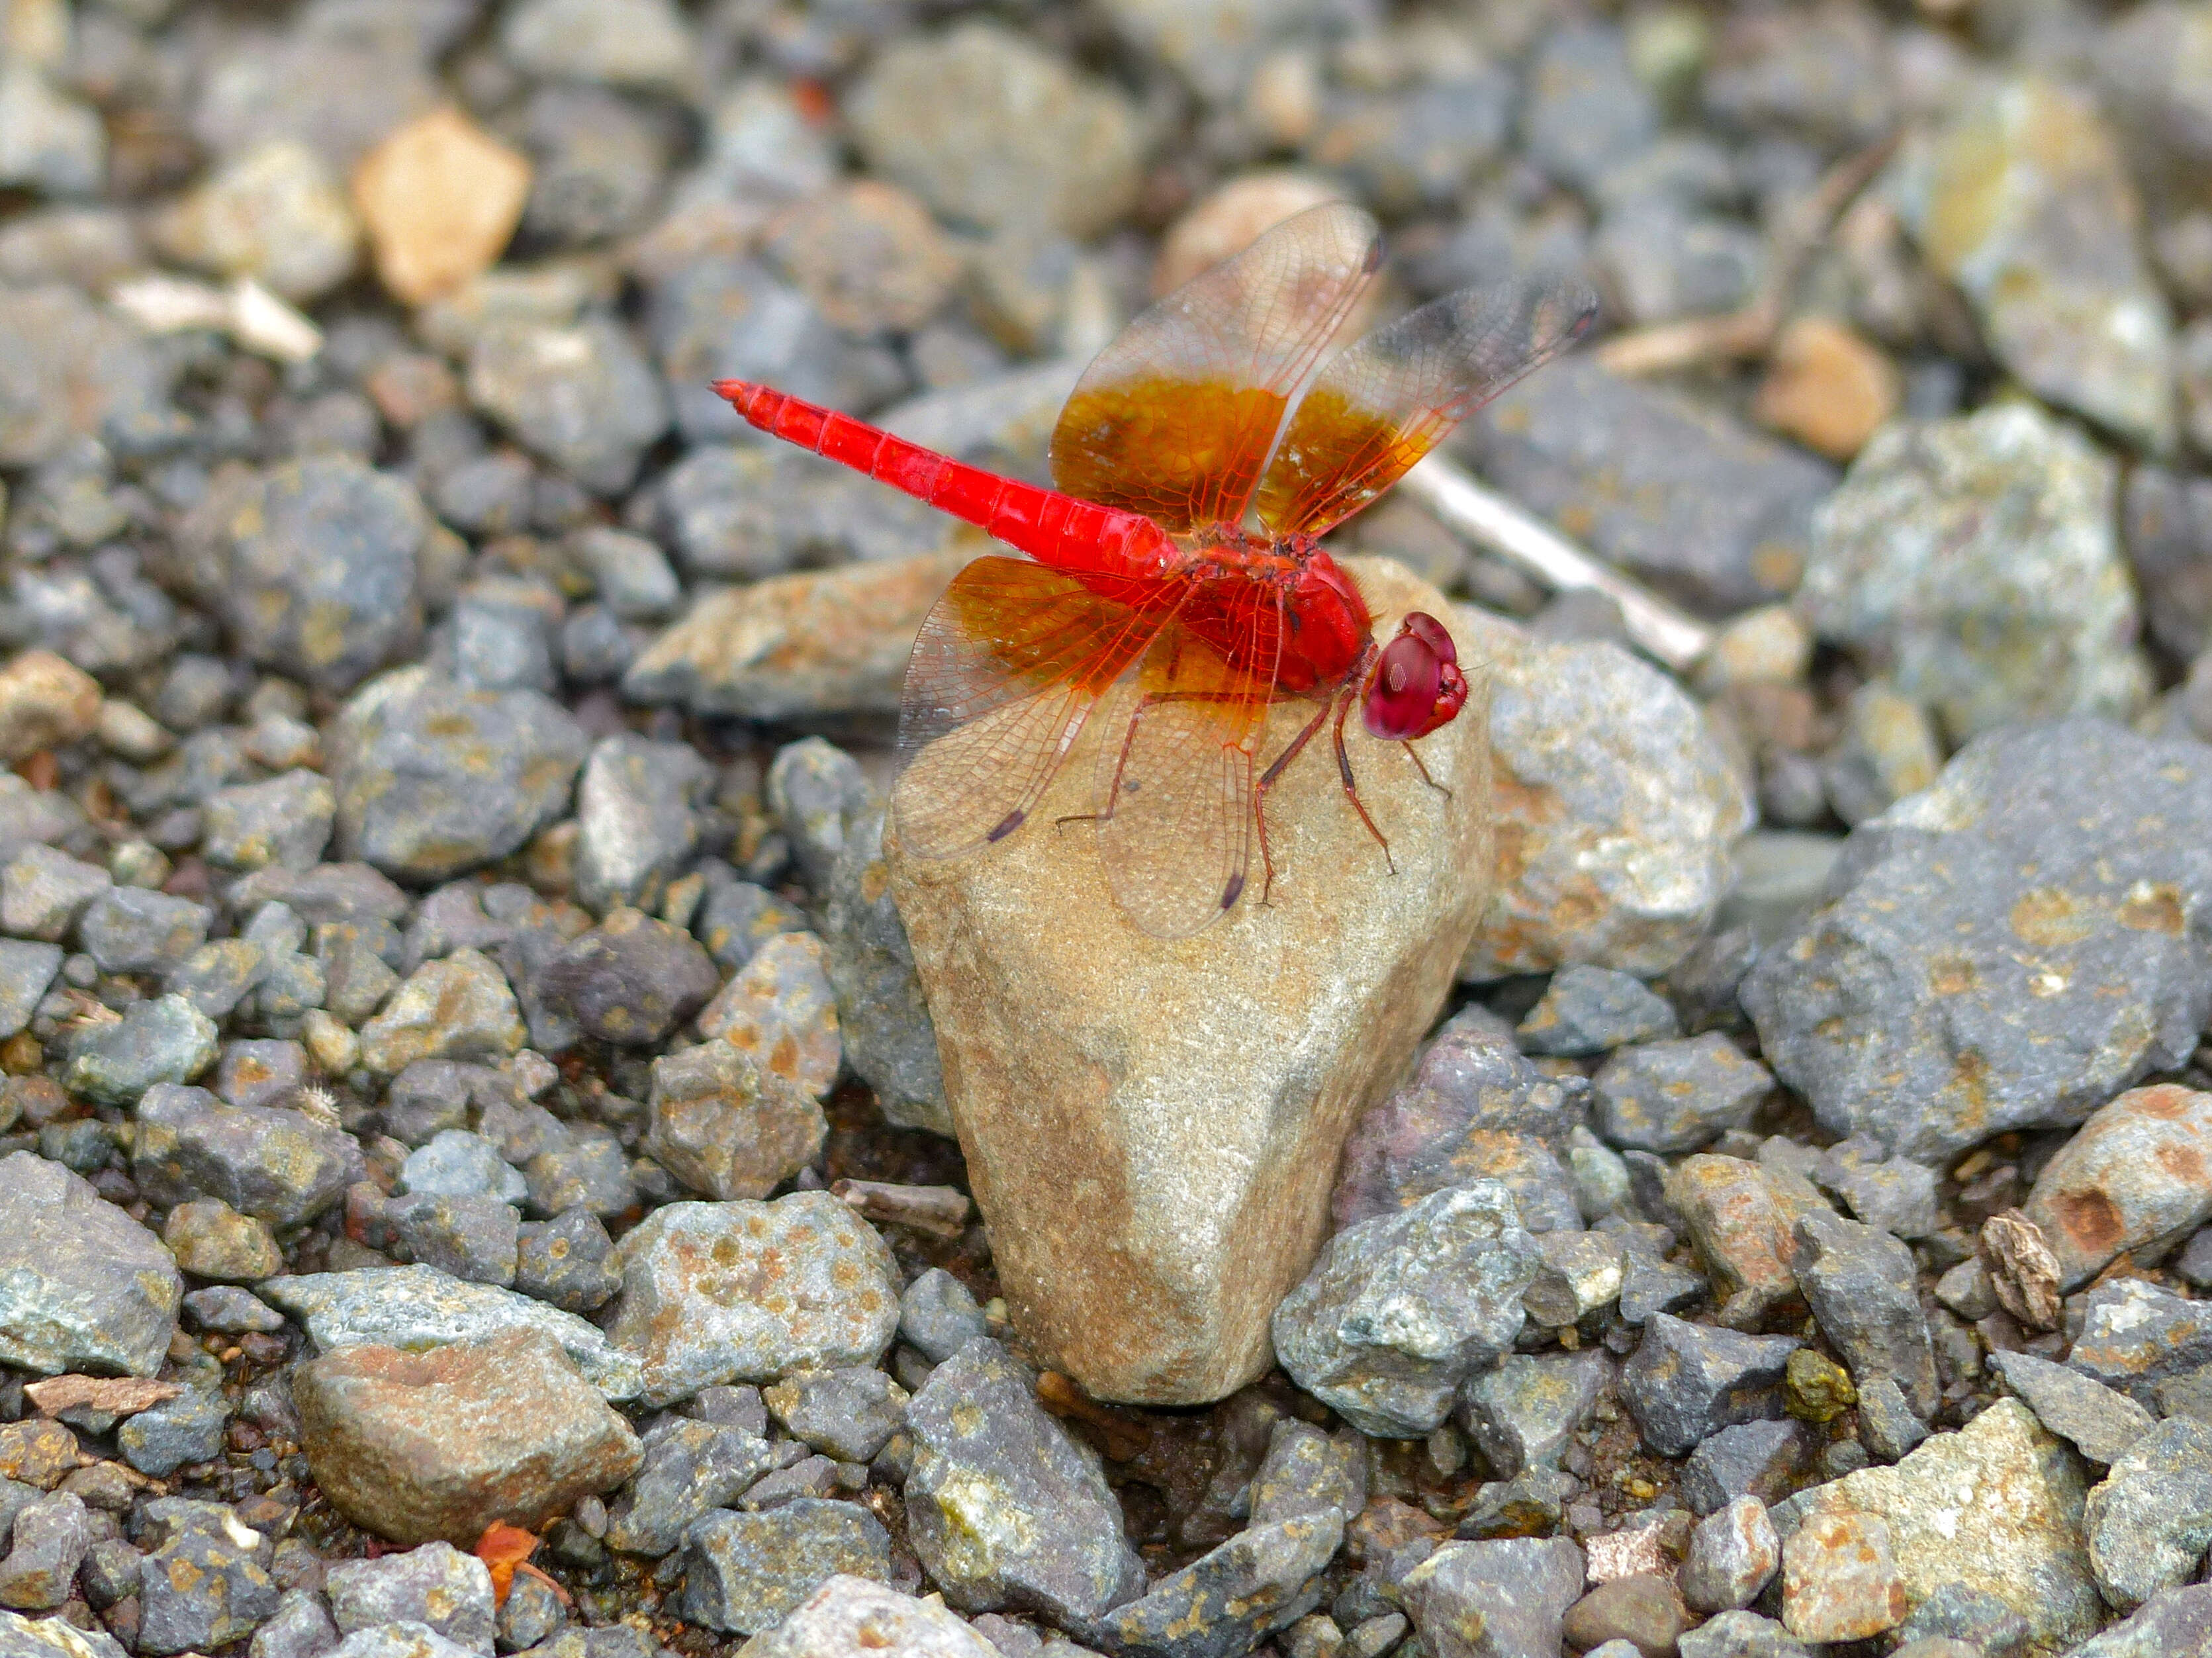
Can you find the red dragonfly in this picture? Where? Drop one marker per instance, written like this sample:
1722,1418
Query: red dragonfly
1178,565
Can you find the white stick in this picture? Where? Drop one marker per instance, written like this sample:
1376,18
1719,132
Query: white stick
1490,521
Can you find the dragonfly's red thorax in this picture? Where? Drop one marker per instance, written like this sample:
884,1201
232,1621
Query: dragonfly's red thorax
1278,606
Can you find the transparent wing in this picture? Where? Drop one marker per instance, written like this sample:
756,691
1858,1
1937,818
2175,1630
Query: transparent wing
1174,778
1389,399
1176,418
1008,665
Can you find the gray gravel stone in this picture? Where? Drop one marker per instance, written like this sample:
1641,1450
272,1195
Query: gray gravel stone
70,367
286,820
1226,1601
82,1285
1714,513
1863,1287
690,1468
882,1017
1006,1508
2102,1424
979,119
1591,1009
2171,1623
636,819
1307,1472
417,1307
1761,1459
2135,1335
1587,111
206,1580
312,566
1733,1554
301,1628
46,1544
131,929
629,981
188,1428
157,1043
725,1125
581,398
279,1166
938,1315
229,1310
848,1612
398,1641
26,972
1889,1429
1685,1381
1741,1635
435,1584
1400,1309
1957,1612
736,918
2059,279
459,1007
44,890
743,1572
849,1413
1671,1096
1973,562
473,1238
434,779
1503,1599
1524,1413
2147,1524
715,1292
458,1164
1894,1194
1621,848
567,1261
2052,988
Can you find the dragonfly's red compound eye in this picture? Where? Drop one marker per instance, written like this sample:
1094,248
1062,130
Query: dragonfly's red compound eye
1416,685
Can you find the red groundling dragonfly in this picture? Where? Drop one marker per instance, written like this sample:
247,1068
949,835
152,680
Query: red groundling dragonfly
1176,569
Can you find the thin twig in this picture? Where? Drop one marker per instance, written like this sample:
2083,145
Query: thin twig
1749,332
1658,628
939,1210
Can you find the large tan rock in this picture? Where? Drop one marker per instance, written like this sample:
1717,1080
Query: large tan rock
1151,1127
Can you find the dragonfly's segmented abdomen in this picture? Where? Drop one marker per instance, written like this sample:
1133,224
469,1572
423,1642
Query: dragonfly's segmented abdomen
1077,536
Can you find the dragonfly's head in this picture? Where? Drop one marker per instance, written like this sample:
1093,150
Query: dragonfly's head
1415,684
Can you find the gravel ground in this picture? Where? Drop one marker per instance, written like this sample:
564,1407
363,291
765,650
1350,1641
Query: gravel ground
477,1085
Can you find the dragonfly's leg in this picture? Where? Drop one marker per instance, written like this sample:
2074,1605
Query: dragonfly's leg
1129,741
1267,781
1415,754
1351,788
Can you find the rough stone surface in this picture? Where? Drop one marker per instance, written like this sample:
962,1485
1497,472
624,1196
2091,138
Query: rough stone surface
2102,1424
1006,1508
743,1572
434,779
82,1285
1400,1309
1733,1554
851,1614
279,1166
1198,1085
1961,981
635,818
1493,1600
1593,1010
724,1126
1839,1578
206,1579
1223,1602
2023,1490
418,1446
1863,1287
415,1308
779,1009
1974,562
1616,810
2021,198
1671,1096
1687,1380
2136,1178
458,1007
2148,1522
436,1585
746,1291
2135,1335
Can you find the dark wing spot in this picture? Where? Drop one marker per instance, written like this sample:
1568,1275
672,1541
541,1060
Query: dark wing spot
1007,825
1233,891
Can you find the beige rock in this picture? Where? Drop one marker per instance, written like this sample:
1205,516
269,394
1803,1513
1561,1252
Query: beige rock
2136,1178
420,1446
440,198
1995,1506
1827,387
276,215
829,644
45,700
1151,1127
1740,1216
1839,1579
1225,222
